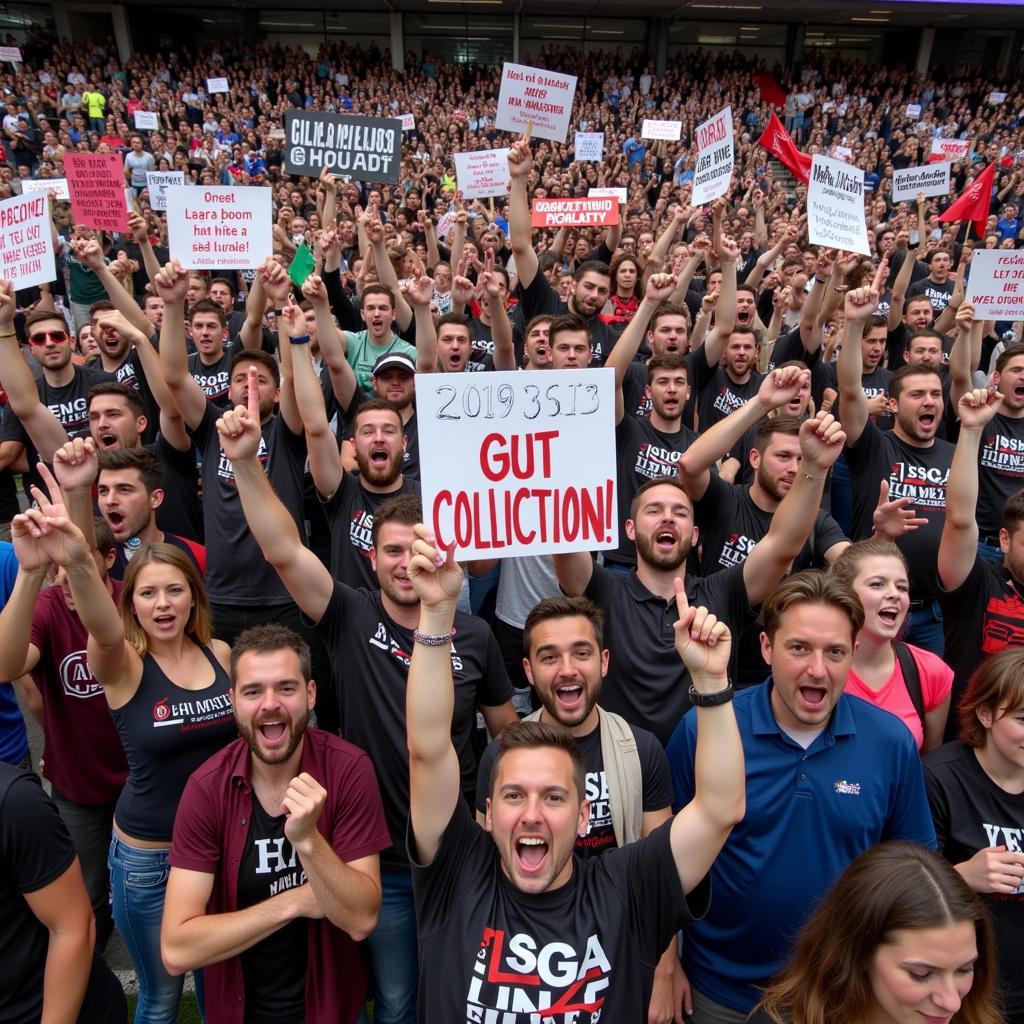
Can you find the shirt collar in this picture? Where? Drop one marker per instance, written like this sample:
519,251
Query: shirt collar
763,723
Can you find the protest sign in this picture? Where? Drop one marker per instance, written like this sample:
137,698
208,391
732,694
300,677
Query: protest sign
408,122
995,287
11,53
949,149
445,224
539,471
914,110
548,213
214,85
158,182
621,194
58,186
147,120
843,153
995,98
589,145
533,96
219,227
932,179
26,244
835,206
715,158
671,130
482,173
96,186
364,148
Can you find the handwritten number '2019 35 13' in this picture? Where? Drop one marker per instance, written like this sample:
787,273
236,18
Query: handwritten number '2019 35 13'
490,402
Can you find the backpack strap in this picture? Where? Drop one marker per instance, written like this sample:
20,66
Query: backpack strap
911,677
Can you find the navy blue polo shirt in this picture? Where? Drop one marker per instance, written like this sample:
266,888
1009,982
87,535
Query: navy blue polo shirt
809,814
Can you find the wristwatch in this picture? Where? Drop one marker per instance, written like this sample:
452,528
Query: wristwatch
711,700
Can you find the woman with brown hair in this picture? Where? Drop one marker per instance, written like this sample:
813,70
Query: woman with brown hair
166,682
900,938
976,791
625,294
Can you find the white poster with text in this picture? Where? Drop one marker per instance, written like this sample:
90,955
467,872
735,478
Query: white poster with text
835,206
482,173
213,228
715,158
535,97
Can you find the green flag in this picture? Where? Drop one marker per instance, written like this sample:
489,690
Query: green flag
302,265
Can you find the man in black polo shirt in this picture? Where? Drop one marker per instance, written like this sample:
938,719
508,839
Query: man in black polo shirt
645,684
909,457
937,287
592,279
982,603
369,634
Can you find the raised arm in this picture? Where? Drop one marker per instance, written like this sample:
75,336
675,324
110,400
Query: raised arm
899,286
821,442
332,345
700,829
858,307
958,547
434,777
420,293
945,320
725,309
386,271
962,360
278,286
660,249
251,332
140,232
303,574
520,233
171,284
574,572
767,259
501,326
89,252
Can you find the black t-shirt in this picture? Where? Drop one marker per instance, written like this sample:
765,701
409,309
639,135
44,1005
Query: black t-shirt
790,346
131,374
540,297
972,813
125,552
873,384
647,684
370,655
214,378
717,394
939,294
600,836
236,571
1000,469
583,952
349,514
635,401
275,968
642,453
35,851
181,511
481,356
897,341
411,460
912,472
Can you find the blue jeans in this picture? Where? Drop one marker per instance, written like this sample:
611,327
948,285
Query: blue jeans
138,880
990,552
393,956
924,629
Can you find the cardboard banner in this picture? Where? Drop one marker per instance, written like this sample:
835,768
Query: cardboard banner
11,53
147,120
538,472
671,130
932,179
364,148
620,194
589,145
914,110
995,98
408,122
215,85
158,182
26,243
445,224
835,206
482,173
215,228
58,186
556,213
533,96
715,158
96,186
949,149
995,286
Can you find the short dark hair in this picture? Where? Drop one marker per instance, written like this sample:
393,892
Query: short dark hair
459,319
658,481
532,736
404,509
897,382
378,289
375,405
149,467
566,322
812,587
669,361
267,639
208,306
226,282
563,608
1013,512
105,539
102,306
39,315
772,425
115,387
669,309
255,355
591,267
1008,353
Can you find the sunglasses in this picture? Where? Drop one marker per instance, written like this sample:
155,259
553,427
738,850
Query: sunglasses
41,337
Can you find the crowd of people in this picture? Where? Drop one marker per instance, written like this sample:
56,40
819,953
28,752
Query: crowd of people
762,760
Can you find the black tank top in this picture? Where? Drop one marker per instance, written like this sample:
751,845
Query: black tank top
167,732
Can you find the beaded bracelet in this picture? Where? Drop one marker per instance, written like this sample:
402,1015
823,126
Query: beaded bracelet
433,639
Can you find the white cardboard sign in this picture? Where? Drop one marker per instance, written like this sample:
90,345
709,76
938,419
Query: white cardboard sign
482,173
214,85
26,243
147,120
11,53
914,110
589,145
671,130
950,149
223,227
931,179
621,194
533,96
835,206
995,286
408,122
538,476
58,186
158,182
715,158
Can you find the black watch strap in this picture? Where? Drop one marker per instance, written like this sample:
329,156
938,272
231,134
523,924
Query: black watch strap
711,700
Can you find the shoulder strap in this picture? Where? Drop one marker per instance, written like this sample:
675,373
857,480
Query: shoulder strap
911,677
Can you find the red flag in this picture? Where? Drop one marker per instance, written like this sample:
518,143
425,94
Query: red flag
771,91
776,140
974,203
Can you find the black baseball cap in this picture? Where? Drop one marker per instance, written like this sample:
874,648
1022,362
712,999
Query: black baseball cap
396,361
